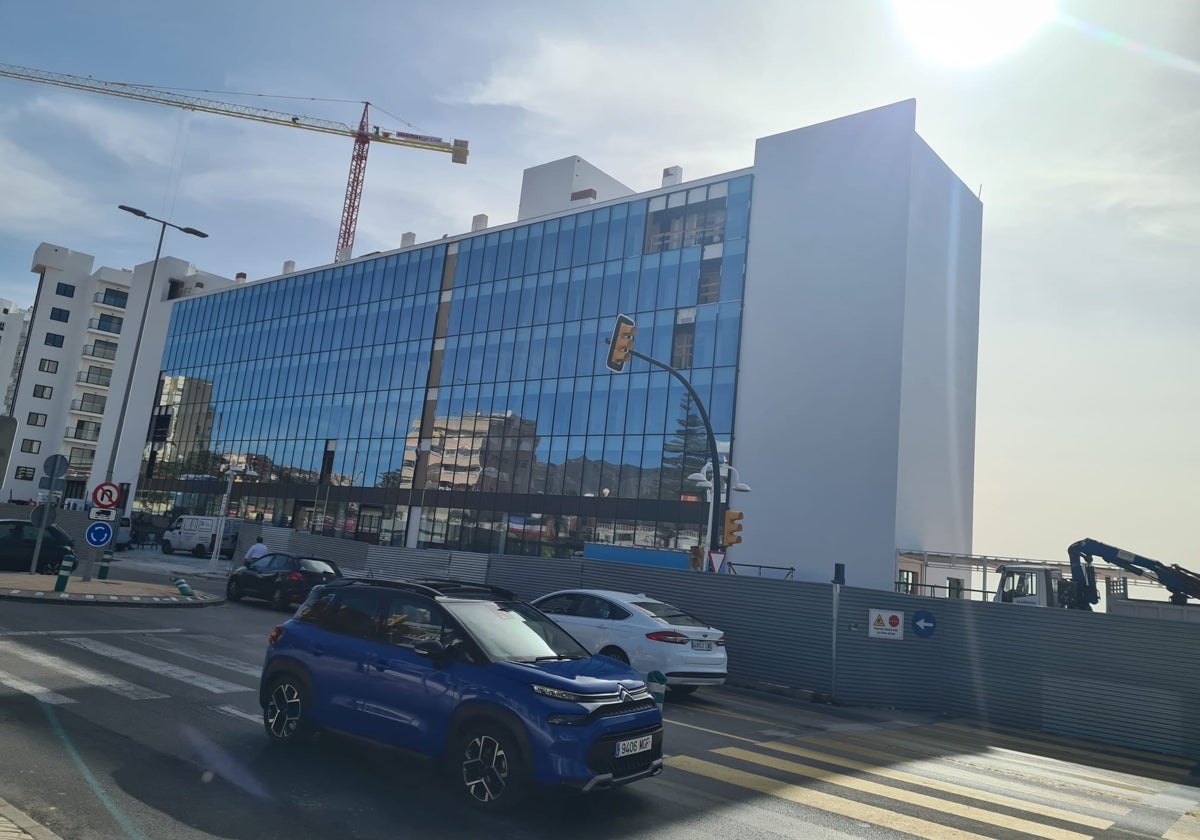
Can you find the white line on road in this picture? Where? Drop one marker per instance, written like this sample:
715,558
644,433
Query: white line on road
87,632
33,689
210,658
234,711
156,666
85,675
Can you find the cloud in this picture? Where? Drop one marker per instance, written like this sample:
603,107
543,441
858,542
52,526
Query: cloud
38,200
120,129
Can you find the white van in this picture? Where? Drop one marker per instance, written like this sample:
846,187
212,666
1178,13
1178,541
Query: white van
198,534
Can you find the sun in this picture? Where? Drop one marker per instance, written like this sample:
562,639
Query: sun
965,33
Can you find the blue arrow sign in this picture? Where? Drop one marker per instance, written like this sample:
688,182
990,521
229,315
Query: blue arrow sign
98,534
923,623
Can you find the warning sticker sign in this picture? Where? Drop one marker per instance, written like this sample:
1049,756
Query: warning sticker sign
885,624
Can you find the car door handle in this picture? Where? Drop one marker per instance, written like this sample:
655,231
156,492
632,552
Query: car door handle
598,626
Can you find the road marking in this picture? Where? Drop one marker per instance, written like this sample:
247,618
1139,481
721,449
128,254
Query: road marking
225,662
822,801
1029,786
711,731
1186,828
944,787
84,674
157,666
234,711
88,632
921,800
1114,750
33,689
1104,761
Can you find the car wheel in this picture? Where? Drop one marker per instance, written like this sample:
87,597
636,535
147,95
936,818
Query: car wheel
279,598
49,567
615,653
493,773
233,590
199,551
166,547
288,704
681,690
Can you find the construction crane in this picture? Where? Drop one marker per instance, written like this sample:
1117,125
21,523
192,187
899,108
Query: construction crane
363,136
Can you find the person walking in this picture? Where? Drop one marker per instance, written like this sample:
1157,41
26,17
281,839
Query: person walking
255,551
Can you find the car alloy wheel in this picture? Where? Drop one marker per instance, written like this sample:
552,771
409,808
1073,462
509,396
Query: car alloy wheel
284,712
233,590
49,567
615,653
493,774
279,598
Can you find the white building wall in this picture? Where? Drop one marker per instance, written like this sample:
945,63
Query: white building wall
548,188
935,490
12,332
829,329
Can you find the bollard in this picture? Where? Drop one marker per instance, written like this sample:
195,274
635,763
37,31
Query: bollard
656,683
64,573
182,585
104,561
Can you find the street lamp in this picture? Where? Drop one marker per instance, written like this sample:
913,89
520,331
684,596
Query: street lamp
231,473
732,482
137,346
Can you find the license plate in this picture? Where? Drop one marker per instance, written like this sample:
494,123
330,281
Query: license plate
634,745
702,645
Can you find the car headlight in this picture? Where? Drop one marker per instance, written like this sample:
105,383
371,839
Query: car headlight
559,694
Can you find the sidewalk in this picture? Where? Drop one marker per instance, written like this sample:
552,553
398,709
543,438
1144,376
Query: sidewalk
15,825
118,592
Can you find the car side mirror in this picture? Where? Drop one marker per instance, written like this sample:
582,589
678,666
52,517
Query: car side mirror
431,648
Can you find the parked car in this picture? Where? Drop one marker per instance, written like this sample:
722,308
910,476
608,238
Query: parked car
198,534
648,634
467,675
18,539
124,534
283,579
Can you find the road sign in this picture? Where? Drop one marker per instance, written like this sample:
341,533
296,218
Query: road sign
106,495
99,534
56,466
885,624
42,515
103,514
924,623
716,561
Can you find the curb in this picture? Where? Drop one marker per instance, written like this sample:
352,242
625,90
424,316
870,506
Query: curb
68,598
23,823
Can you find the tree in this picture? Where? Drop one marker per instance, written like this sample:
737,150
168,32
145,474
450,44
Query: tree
685,453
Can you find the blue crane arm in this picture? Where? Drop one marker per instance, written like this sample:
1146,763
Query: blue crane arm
1180,582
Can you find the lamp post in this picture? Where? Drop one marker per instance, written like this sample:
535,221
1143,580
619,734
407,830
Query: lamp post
137,346
732,481
232,473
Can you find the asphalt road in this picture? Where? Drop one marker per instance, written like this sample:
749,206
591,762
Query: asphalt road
144,724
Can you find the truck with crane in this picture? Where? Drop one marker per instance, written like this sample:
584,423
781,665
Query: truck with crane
1041,585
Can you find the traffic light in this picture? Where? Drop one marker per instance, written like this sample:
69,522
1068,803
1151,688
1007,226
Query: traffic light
621,344
733,528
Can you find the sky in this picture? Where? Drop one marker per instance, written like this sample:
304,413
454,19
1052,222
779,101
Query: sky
1082,141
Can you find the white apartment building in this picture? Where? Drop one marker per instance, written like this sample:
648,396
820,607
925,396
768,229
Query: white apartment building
14,326
73,363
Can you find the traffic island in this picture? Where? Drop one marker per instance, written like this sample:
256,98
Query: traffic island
16,586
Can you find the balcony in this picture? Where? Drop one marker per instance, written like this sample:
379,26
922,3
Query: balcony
99,352
105,325
109,299
87,407
77,433
92,379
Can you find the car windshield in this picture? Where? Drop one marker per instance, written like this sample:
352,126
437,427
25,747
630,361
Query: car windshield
515,631
668,614
312,564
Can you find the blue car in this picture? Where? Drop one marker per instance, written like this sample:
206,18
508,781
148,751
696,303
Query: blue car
467,675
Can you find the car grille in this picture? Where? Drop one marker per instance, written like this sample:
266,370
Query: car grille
602,755
611,709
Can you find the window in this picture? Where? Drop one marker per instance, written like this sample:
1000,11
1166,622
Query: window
97,375
409,620
36,419
668,614
710,281
43,392
90,402
25,473
33,446
57,314
48,366
113,297
908,582
65,289
108,323
683,346
54,340
346,613
80,457
101,350
598,608
559,605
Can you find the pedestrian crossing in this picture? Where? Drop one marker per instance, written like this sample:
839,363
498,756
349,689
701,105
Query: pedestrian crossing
949,781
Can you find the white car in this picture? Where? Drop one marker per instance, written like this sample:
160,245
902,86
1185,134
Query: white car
647,633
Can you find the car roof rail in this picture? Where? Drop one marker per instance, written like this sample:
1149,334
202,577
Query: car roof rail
450,586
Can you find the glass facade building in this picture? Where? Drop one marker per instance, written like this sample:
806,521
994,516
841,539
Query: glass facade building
455,394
